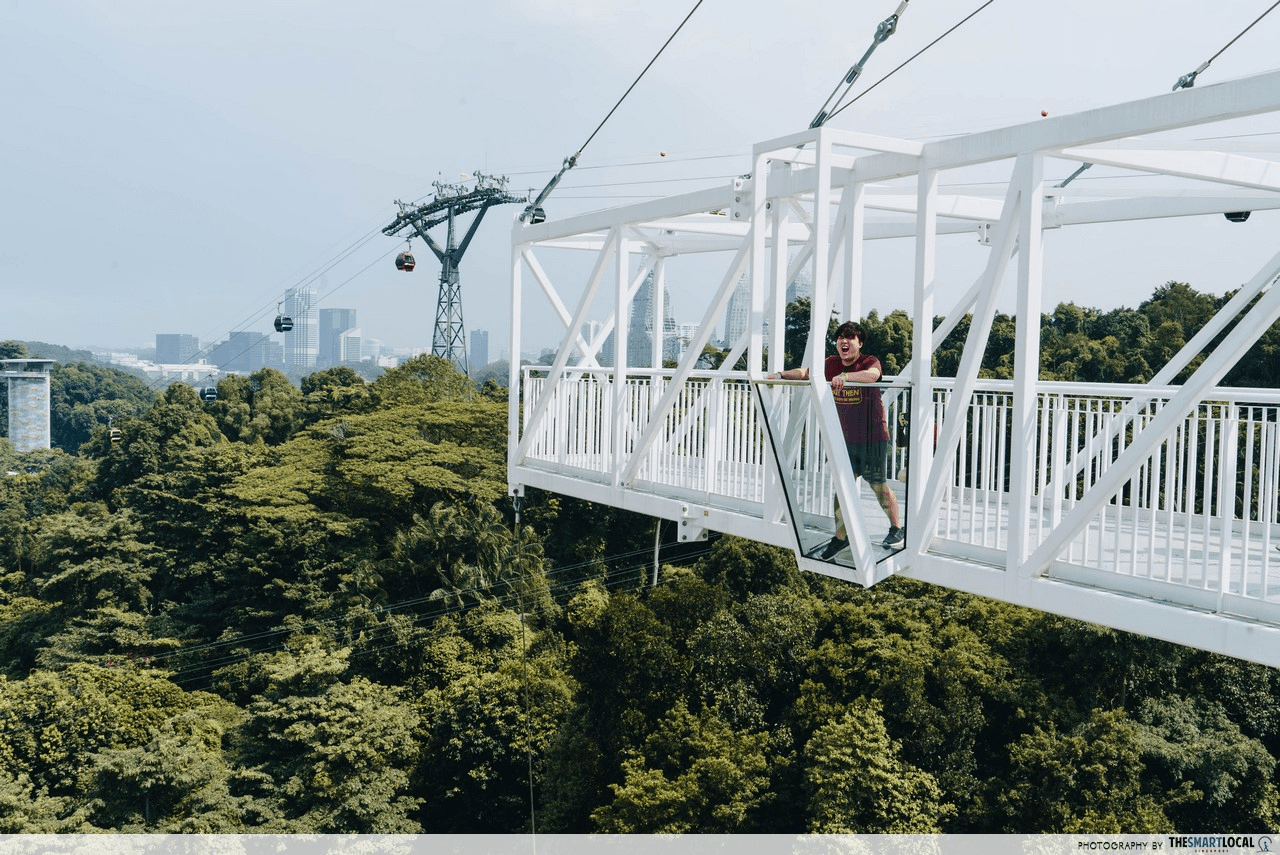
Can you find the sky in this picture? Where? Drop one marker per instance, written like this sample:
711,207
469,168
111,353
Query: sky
176,167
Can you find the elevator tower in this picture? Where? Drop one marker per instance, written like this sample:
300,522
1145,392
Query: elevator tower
28,401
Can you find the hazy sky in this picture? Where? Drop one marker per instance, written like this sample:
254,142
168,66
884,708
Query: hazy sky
176,166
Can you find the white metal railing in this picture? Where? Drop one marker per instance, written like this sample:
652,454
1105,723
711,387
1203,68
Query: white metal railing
1202,511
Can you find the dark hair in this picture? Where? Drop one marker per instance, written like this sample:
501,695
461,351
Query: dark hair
851,329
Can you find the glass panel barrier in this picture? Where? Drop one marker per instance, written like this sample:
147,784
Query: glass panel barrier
874,440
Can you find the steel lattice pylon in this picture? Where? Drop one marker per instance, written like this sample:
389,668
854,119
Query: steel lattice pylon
448,341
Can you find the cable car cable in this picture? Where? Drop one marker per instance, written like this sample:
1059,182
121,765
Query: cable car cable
572,160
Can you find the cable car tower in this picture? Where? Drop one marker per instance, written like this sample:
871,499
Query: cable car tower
451,201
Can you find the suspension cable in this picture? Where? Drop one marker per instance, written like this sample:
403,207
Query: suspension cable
957,26
1188,80
572,160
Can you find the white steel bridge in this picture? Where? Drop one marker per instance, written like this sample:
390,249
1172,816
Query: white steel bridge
1150,508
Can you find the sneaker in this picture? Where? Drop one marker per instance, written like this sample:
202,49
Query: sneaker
894,537
833,546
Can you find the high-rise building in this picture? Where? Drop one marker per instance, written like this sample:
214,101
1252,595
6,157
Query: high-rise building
333,323
301,344
350,345
478,358
590,331
800,286
245,352
176,348
738,314
640,331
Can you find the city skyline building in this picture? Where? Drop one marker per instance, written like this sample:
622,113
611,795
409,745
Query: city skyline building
245,352
479,355
737,314
176,348
333,327
640,331
302,343
350,346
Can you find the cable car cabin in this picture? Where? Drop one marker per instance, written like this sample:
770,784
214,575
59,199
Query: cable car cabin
284,323
209,393
114,435
405,262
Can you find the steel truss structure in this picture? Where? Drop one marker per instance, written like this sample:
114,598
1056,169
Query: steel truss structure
449,338
1149,508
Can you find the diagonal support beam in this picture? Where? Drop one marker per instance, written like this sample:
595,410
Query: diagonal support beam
1234,169
1259,319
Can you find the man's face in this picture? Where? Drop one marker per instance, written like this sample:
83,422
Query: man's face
848,348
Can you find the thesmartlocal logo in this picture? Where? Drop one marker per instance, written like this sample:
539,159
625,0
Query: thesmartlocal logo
1186,844
1220,842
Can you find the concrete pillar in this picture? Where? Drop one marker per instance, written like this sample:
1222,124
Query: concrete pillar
28,401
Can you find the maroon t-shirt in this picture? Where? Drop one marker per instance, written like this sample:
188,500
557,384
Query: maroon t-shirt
861,408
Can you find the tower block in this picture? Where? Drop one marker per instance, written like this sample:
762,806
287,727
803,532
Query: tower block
28,401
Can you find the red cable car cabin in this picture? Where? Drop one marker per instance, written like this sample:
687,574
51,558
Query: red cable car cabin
404,261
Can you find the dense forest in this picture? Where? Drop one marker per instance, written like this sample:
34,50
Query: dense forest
314,609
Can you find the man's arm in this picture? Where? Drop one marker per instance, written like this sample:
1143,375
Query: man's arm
866,375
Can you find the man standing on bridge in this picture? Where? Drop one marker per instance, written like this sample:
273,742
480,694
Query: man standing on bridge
862,418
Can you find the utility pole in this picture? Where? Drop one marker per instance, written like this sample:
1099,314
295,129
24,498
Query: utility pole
451,201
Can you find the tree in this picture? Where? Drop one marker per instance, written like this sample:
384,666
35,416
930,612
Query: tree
91,557
334,391
178,782
747,567
859,784
937,679
1179,303
493,695
1205,772
327,755
161,440
55,722
1085,781
23,810
423,379
263,407
889,339
84,397
694,774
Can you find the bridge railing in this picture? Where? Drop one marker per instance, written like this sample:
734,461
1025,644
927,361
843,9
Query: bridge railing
1200,512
